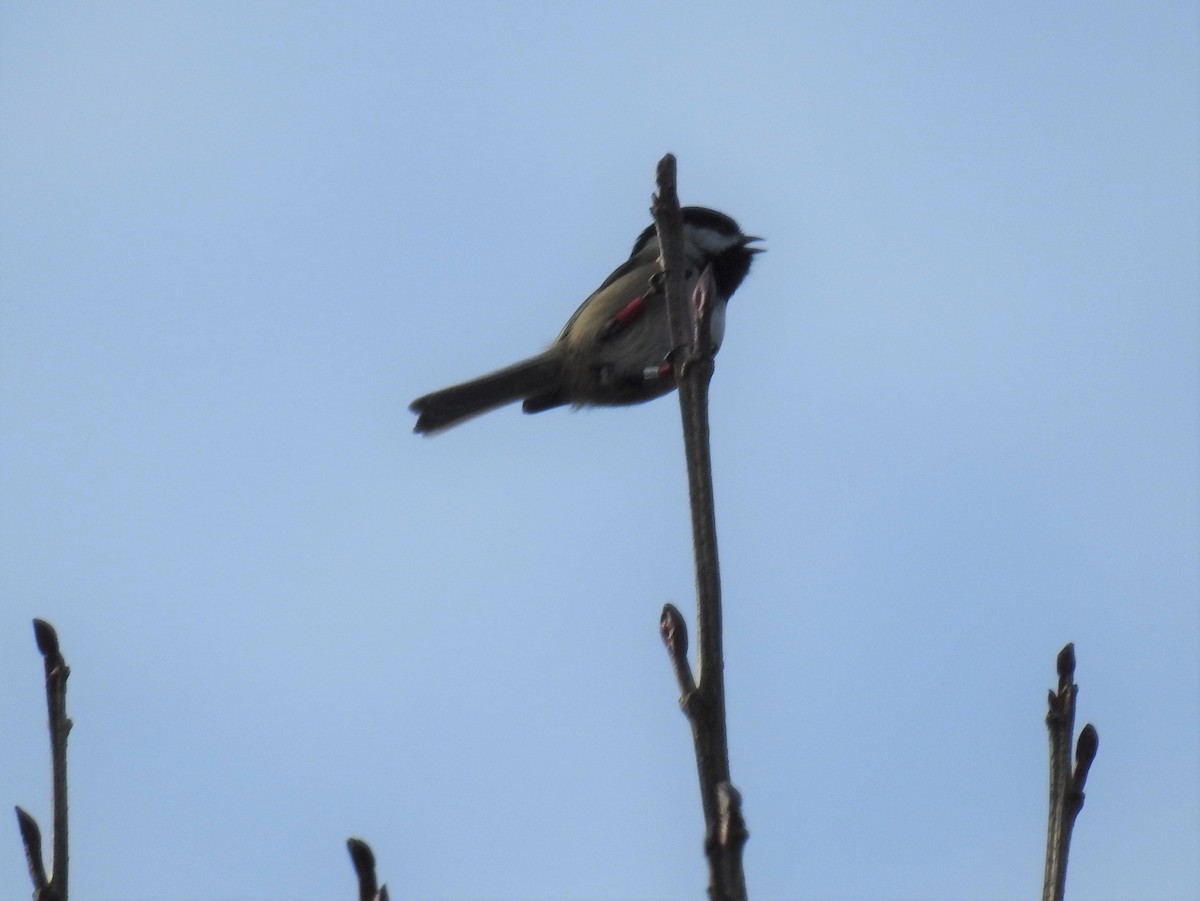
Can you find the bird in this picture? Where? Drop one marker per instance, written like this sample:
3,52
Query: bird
615,349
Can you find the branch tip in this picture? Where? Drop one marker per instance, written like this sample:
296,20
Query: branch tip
1066,786
673,629
31,839
665,176
46,638
1085,752
31,835
364,867
1066,664
360,852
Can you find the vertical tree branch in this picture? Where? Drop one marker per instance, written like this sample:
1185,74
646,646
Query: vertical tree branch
54,887
1066,785
703,702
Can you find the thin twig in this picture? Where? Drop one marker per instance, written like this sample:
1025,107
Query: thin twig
364,867
1066,784
673,629
53,887
57,672
704,700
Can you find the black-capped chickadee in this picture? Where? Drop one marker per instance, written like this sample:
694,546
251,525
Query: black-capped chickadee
615,349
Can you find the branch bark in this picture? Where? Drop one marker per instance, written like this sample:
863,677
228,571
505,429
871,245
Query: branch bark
1066,784
703,700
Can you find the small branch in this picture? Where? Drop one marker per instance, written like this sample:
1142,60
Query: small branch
364,866
57,672
674,635
53,887
703,701
1066,784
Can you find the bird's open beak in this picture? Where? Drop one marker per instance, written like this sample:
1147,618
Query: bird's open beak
746,241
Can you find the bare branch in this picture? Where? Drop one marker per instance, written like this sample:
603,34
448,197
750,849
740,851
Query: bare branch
1066,784
54,886
704,700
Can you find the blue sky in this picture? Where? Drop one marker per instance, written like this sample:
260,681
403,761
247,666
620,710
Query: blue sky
955,426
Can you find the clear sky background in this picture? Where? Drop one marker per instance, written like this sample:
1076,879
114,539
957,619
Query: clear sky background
955,427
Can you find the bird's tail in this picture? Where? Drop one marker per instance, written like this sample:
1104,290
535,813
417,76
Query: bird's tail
537,376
